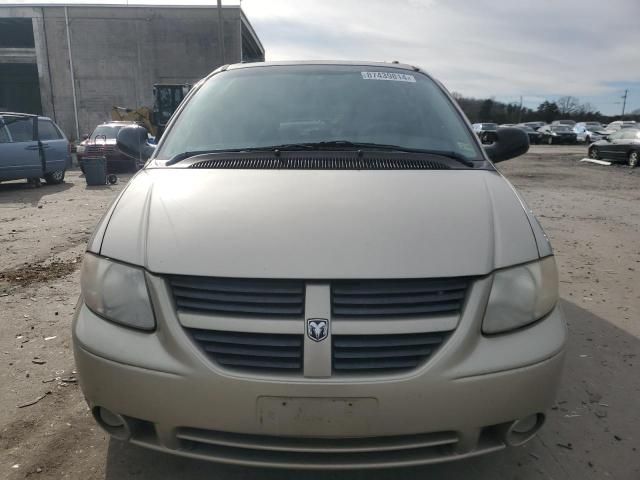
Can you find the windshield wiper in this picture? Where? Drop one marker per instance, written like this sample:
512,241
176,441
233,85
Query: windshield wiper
327,145
342,144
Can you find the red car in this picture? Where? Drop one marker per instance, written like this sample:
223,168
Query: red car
102,143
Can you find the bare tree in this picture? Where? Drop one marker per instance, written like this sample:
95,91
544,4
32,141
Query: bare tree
568,105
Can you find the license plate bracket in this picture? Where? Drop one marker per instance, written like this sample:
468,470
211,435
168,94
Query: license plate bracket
316,416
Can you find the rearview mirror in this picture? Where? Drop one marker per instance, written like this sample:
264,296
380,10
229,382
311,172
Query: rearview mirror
509,143
132,141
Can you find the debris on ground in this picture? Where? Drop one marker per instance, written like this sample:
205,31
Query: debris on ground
598,162
566,446
39,272
33,402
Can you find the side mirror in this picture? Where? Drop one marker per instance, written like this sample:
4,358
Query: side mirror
132,141
509,143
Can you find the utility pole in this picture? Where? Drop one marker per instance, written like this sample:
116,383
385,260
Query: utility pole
220,33
624,102
520,111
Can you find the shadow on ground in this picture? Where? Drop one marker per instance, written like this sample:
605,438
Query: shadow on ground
592,433
23,192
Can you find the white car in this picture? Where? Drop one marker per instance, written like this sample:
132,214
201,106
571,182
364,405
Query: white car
589,132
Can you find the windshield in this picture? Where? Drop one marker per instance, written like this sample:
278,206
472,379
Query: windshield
265,106
593,125
108,131
561,128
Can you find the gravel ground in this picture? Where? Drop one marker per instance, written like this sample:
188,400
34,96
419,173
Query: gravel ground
590,212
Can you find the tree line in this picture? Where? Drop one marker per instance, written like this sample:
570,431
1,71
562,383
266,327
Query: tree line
564,108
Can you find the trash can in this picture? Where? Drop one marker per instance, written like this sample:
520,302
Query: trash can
95,170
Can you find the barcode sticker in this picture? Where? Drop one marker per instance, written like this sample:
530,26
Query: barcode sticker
392,76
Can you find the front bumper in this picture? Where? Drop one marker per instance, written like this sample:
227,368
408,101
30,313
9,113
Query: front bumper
456,405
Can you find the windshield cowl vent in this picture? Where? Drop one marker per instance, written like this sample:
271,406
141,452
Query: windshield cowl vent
322,163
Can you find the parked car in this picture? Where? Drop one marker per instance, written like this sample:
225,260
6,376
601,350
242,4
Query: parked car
571,123
32,147
102,143
288,282
589,132
534,136
535,125
620,146
620,124
557,134
486,131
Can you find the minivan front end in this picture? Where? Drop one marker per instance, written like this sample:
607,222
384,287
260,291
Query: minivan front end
257,389
322,304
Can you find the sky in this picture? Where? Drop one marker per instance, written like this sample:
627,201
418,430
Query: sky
505,49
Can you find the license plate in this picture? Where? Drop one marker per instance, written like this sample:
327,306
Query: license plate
304,416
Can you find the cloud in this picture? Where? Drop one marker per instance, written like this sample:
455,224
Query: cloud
540,49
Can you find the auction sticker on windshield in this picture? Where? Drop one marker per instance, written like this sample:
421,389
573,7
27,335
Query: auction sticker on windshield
395,77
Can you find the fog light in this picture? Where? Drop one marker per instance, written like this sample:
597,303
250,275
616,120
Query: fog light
114,424
524,429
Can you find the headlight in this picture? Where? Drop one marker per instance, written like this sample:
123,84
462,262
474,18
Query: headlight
521,295
117,292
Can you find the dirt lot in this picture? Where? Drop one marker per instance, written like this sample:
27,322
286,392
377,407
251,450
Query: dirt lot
591,213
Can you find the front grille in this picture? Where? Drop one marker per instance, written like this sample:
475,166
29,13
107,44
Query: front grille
251,351
98,150
381,353
331,163
375,298
253,297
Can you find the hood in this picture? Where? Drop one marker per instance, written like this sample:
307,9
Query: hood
318,224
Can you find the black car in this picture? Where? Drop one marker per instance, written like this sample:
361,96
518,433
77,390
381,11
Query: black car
534,125
621,146
558,134
534,136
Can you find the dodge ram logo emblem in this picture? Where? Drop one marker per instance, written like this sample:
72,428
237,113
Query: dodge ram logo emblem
317,329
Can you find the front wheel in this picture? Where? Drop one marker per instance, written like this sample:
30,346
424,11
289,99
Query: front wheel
633,159
594,153
134,166
54,178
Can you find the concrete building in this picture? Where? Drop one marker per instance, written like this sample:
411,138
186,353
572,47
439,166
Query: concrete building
74,63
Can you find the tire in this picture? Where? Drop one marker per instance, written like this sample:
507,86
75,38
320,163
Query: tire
633,158
550,140
55,178
594,153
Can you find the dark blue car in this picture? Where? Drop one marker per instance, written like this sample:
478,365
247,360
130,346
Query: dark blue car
32,147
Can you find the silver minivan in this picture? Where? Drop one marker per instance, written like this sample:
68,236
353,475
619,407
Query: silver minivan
320,267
